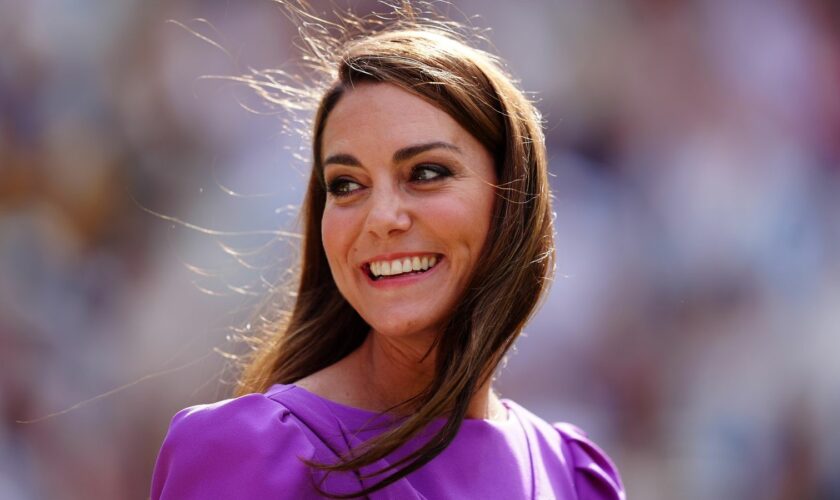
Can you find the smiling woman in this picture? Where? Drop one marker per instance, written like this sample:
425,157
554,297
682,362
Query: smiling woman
427,246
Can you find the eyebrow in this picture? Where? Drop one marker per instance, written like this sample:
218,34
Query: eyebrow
400,155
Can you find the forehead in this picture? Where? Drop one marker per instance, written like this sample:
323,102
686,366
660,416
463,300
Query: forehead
386,117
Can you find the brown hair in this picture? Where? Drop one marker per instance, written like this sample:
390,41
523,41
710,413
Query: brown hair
513,270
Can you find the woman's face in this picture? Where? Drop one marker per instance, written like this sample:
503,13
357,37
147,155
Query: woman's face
410,198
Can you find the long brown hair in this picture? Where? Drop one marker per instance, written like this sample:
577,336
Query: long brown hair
513,271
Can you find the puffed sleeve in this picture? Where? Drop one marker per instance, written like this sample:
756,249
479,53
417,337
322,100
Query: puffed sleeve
248,447
595,476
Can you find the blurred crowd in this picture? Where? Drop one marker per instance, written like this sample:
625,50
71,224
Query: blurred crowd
692,327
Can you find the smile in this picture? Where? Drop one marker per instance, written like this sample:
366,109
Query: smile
415,264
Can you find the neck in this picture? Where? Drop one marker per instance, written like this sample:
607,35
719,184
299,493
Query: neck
393,370
390,371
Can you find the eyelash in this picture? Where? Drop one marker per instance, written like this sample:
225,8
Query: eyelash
336,187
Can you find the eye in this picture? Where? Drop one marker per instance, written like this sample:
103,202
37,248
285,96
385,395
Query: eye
343,186
427,172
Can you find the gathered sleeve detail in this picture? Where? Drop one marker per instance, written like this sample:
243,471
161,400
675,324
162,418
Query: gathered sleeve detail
247,447
595,476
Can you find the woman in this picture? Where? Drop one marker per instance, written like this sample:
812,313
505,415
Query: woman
427,246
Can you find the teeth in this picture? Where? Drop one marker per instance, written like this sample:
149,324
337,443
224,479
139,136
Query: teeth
404,265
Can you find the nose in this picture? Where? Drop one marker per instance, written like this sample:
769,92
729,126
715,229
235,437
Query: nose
387,214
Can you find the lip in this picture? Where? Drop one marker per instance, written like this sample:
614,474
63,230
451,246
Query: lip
403,279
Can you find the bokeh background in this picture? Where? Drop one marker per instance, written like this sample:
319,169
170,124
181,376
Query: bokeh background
692,328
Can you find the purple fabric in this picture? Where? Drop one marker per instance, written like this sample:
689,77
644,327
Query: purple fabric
252,446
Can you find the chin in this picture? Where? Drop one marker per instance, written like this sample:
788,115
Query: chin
406,328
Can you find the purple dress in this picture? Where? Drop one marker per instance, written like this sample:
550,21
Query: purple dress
251,447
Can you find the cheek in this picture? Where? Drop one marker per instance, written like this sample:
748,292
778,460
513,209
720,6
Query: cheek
465,220
336,236
485,212
481,217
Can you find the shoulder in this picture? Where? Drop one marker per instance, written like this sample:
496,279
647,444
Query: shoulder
593,474
244,447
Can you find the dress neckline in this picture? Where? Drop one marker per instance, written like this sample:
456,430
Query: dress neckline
362,416
357,425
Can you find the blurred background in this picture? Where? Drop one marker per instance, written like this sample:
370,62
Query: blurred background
692,328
